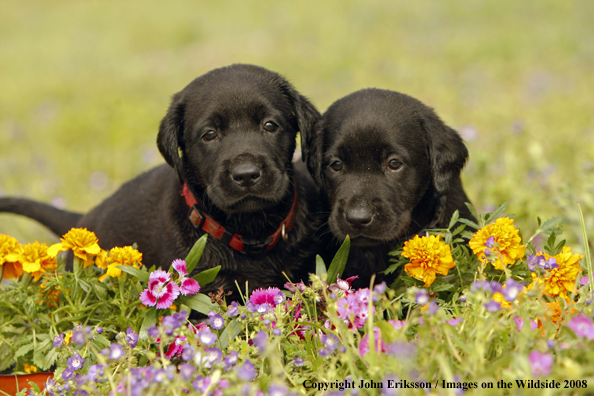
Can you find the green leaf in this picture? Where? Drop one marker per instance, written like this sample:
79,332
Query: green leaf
320,266
441,287
22,351
459,229
472,210
229,334
195,253
150,319
143,276
84,285
497,212
207,276
470,223
454,219
199,302
339,261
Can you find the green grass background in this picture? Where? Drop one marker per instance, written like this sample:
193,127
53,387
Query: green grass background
84,84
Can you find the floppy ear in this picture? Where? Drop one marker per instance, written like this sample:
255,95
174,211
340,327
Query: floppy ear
307,116
169,138
312,149
447,152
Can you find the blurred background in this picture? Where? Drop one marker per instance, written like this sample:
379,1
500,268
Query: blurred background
84,84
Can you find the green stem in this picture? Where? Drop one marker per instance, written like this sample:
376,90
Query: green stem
587,249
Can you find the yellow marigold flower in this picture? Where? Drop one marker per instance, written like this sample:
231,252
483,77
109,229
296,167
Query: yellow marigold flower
101,259
82,242
498,297
559,281
505,240
67,337
428,256
29,368
126,255
9,250
34,259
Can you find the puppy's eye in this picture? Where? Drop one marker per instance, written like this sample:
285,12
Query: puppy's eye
395,164
336,165
270,126
209,135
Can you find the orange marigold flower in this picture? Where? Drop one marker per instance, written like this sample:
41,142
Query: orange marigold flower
9,264
34,259
82,242
560,280
503,241
126,255
428,256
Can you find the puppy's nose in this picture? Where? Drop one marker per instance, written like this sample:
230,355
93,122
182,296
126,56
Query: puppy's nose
358,217
246,174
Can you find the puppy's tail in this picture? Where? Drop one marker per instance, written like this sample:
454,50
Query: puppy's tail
57,220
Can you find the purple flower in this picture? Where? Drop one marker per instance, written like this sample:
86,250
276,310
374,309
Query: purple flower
231,359
206,336
278,390
216,321
380,289
68,373
422,297
161,291
512,290
153,331
233,309
402,350
492,306
481,286
277,332
186,371
490,242
131,337
75,362
262,308
551,264
540,363
330,341
433,307
298,362
188,352
323,352
260,340
455,322
247,372
95,372
251,307
58,341
116,351
582,326
78,337
279,298
213,355
99,330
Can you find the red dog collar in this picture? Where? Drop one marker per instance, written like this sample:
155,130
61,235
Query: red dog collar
202,221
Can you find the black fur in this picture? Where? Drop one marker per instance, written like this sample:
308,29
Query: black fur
349,154
243,178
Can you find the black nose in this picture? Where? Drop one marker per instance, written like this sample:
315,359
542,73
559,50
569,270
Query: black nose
246,174
358,217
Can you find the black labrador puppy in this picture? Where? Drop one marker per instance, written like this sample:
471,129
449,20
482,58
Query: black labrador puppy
389,168
228,139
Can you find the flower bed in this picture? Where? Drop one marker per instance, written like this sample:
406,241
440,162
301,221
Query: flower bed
476,308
